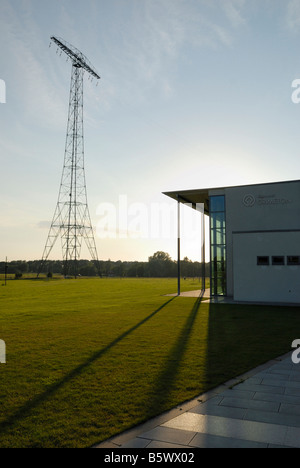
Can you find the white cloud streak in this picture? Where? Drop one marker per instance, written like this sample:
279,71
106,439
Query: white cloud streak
293,15
23,52
143,41
233,11
157,32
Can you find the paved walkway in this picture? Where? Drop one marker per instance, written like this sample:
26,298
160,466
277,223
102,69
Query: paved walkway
207,298
258,409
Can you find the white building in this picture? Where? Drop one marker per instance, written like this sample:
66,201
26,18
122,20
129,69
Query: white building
254,240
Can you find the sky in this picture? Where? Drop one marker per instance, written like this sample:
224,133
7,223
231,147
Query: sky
193,94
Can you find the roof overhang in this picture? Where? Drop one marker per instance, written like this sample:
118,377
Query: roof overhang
195,197
191,197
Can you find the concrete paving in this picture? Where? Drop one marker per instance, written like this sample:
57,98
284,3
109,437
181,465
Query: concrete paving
260,409
208,299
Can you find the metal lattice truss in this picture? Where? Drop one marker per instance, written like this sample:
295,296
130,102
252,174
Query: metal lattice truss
71,219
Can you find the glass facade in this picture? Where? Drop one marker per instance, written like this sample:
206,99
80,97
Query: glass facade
218,245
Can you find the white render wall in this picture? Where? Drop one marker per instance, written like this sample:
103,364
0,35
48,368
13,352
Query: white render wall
266,283
259,208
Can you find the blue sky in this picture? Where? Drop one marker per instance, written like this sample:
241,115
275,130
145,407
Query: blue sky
193,94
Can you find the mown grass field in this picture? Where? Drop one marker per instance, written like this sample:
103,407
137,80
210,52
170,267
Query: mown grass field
87,359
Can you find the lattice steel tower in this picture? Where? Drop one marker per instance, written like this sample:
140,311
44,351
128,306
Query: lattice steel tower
71,217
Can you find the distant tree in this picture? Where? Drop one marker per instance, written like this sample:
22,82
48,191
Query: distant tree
117,269
132,270
140,270
86,268
160,256
22,266
187,267
161,265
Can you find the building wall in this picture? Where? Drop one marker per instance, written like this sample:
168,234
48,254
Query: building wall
264,208
266,283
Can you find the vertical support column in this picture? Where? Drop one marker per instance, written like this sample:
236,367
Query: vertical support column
5,271
203,249
178,246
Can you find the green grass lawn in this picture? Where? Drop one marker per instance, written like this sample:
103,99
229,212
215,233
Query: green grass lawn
87,359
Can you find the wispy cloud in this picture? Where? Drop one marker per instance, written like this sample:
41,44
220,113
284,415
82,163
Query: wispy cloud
293,15
153,35
234,11
23,48
139,44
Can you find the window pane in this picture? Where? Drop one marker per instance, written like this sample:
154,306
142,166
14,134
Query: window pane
218,269
217,221
221,286
218,245
217,236
293,260
219,253
278,260
218,286
263,261
217,203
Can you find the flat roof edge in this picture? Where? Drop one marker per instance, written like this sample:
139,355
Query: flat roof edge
171,193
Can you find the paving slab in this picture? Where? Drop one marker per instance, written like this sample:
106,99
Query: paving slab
275,397
250,431
215,410
252,404
260,409
211,441
283,419
170,435
262,388
293,437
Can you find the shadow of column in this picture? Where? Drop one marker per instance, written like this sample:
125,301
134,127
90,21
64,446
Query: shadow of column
164,383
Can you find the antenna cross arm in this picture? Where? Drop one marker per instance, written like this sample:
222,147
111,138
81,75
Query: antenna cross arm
78,59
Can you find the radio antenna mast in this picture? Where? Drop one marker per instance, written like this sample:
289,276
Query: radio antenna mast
71,217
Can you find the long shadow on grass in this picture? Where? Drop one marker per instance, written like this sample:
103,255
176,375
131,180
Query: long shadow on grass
164,383
30,405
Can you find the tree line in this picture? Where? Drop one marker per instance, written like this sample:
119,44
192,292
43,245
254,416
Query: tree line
159,265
